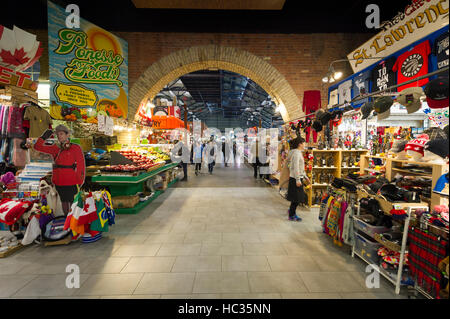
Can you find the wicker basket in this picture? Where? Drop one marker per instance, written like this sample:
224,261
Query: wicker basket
125,201
386,243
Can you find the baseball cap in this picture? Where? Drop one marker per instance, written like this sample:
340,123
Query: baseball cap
442,185
437,93
417,144
317,126
410,98
382,104
325,118
438,147
384,115
366,109
398,145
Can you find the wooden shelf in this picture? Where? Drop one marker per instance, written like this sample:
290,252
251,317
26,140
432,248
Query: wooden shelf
318,167
355,150
371,170
412,162
374,156
409,172
326,150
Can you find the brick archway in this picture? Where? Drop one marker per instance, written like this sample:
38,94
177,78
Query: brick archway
192,59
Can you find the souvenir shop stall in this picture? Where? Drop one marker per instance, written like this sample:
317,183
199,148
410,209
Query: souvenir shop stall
30,206
392,210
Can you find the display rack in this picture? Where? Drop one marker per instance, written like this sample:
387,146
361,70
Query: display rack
408,207
335,169
131,185
364,164
395,166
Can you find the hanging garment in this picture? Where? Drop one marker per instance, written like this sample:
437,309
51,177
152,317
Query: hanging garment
344,206
333,219
325,220
348,233
15,123
19,155
39,118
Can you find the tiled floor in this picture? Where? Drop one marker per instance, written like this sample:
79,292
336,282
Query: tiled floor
216,236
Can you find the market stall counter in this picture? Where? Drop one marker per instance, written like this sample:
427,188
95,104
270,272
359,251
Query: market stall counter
125,189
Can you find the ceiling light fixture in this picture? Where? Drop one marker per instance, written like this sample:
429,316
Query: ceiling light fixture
333,75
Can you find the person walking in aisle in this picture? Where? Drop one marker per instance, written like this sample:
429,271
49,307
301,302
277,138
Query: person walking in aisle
196,153
210,155
225,159
255,158
296,163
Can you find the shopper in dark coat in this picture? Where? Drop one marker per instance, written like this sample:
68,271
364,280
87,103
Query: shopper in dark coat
296,194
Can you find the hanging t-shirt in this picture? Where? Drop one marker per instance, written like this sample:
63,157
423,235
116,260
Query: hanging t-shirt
413,64
39,118
383,76
345,92
361,86
333,98
311,101
440,50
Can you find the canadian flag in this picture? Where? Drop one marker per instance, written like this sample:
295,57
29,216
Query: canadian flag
18,49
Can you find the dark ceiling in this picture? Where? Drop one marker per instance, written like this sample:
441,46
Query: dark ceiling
295,17
222,98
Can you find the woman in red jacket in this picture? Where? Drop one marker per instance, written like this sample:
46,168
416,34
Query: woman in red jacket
69,167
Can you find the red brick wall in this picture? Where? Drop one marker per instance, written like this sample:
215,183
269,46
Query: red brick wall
303,59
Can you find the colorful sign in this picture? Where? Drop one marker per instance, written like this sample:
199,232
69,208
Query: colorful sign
88,70
10,77
418,20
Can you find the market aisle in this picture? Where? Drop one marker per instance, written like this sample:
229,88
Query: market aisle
217,236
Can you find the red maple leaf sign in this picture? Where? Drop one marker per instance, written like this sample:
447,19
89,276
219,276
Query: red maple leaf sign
17,59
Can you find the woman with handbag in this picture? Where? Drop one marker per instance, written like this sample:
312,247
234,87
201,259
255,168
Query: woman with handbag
297,177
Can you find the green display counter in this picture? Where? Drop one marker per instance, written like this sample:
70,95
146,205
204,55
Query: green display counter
131,185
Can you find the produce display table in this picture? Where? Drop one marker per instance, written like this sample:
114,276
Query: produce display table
131,185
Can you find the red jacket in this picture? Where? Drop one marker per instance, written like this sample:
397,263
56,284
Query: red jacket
65,176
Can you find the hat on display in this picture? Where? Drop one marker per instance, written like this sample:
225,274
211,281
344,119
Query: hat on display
410,98
398,145
382,104
438,147
446,130
384,115
442,185
62,128
325,118
317,126
366,109
435,133
417,144
437,93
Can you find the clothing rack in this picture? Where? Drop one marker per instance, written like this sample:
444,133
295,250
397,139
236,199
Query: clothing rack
377,93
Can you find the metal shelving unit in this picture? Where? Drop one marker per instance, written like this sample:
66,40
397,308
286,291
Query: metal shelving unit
409,208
